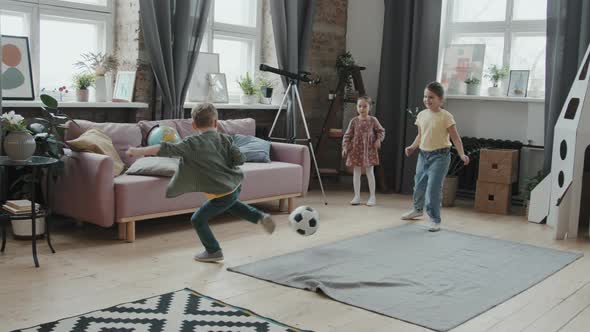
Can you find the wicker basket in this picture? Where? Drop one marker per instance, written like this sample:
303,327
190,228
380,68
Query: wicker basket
449,191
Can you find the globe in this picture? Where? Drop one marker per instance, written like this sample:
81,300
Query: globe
163,134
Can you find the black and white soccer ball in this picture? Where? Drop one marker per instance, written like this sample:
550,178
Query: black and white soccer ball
304,220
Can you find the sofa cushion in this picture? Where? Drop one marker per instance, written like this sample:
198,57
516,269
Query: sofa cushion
255,150
239,126
154,166
137,195
93,140
132,192
123,135
270,179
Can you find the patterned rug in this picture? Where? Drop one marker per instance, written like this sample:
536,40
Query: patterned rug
184,310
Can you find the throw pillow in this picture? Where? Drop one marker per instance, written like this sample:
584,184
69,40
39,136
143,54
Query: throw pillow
253,148
94,140
154,166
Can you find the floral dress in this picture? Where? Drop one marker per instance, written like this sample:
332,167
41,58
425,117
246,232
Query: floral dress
359,142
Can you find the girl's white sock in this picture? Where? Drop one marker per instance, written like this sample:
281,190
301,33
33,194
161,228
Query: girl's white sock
356,183
371,180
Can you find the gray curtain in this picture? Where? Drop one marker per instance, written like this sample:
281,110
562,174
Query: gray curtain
173,32
292,22
409,57
568,35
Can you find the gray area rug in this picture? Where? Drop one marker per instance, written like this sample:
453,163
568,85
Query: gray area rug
435,280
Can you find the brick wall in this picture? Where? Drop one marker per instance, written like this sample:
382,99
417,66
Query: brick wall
130,50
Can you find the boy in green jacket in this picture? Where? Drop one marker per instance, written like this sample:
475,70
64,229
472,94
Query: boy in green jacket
209,164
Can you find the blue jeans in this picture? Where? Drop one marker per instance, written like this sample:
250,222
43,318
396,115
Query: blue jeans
215,207
431,170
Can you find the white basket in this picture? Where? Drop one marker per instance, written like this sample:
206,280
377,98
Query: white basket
22,228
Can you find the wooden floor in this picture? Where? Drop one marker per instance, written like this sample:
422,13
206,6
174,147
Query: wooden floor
92,270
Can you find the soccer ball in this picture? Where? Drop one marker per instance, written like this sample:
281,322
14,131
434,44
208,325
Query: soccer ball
304,220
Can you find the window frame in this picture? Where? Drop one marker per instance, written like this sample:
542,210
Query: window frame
236,31
62,9
509,28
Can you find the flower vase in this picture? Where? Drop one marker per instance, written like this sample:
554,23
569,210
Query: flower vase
100,86
473,89
494,91
19,145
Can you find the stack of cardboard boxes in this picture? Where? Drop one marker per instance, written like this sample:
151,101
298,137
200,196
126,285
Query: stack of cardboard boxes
498,170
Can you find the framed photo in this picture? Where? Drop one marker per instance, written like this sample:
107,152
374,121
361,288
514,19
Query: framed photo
217,88
461,61
124,85
519,82
17,75
199,86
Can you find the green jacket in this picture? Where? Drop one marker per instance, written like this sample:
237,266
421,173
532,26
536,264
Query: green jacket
209,163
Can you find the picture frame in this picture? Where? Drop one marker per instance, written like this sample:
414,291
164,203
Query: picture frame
217,88
461,61
16,68
518,83
199,86
124,86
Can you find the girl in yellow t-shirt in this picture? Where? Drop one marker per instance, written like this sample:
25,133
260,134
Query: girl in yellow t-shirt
435,126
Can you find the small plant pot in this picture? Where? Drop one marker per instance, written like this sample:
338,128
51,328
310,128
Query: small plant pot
494,91
266,92
82,95
21,229
449,192
473,89
248,99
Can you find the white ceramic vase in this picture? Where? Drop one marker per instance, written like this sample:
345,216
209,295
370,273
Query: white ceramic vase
19,145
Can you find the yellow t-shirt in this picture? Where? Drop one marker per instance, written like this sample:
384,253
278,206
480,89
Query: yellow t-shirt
214,196
434,128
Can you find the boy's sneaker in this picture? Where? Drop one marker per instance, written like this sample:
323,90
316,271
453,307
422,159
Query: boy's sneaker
412,215
433,226
209,257
267,223
372,201
355,201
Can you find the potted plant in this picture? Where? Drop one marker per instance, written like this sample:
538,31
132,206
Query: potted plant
530,184
98,64
249,90
82,82
344,67
496,74
265,87
19,144
472,86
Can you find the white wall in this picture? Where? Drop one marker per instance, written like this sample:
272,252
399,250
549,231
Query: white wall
364,37
506,120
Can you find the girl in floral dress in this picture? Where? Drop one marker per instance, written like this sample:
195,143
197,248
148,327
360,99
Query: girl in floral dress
360,147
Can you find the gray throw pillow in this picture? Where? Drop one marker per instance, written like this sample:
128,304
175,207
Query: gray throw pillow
254,149
154,166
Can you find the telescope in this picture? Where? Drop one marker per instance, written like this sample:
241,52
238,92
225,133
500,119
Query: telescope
302,76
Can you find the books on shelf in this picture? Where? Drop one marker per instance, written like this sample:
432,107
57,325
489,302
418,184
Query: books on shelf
22,206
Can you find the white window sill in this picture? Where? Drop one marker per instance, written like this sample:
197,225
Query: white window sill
499,98
71,104
236,106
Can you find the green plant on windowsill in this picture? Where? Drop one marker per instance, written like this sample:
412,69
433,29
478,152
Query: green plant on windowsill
496,73
247,85
472,80
83,81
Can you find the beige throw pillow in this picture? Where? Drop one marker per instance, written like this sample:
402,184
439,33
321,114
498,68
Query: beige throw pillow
154,166
94,140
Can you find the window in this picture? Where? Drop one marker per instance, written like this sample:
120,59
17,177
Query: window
513,32
233,32
51,26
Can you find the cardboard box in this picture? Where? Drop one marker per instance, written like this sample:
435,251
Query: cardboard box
498,166
493,197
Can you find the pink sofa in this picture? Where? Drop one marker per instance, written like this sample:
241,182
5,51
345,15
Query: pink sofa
88,192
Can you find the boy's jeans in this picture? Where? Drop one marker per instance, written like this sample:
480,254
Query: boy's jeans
431,171
215,207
